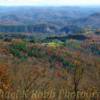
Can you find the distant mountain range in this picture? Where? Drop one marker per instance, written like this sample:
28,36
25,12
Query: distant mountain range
48,19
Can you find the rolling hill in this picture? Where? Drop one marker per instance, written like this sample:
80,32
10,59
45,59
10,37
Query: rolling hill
48,19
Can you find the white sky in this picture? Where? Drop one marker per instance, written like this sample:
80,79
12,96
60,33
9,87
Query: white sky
50,2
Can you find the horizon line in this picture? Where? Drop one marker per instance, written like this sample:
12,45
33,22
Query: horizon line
50,6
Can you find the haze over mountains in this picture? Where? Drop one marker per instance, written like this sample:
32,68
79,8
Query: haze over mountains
48,19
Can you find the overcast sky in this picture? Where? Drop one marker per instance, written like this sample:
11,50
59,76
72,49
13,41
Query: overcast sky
51,2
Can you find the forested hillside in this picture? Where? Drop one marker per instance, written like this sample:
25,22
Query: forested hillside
48,19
